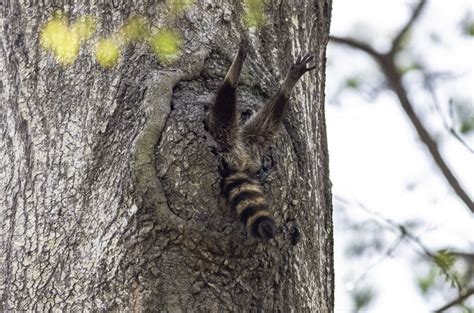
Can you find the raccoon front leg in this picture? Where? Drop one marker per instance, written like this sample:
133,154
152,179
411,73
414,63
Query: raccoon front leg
223,117
262,127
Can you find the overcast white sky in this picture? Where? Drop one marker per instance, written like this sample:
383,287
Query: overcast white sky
375,156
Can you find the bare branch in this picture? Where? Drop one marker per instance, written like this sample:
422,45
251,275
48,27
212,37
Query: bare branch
388,253
414,16
469,257
404,234
449,128
354,43
459,300
394,77
395,227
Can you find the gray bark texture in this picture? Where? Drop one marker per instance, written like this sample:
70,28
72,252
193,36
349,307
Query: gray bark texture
109,183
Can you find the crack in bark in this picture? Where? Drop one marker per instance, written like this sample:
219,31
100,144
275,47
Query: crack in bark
158,106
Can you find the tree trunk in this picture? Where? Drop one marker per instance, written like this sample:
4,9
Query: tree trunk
109,182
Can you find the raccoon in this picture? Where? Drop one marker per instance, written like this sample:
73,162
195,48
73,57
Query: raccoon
242,146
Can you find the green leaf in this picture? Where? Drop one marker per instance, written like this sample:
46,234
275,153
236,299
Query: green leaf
134,29
57,37
427,282
107,52
467,24
166,44
362,297
409,68
468,28
85,26
444,259
467,125
353,83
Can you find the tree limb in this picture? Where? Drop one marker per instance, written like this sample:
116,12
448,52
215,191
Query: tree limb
356,44
387,64
414,16
449,128
462,296
405,234
395,79
465,255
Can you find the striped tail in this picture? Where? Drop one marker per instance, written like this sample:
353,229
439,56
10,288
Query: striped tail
244,196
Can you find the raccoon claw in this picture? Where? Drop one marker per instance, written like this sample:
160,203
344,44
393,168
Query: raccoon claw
301,65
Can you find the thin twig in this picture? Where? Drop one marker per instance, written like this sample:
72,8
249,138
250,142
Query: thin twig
469,257
414,16
389,252
404,233
394,77
356,44
395,227
449,128
459,300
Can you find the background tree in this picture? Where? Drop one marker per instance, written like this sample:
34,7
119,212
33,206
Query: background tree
109,182
401,57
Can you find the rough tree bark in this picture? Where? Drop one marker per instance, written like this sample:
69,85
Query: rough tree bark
109,182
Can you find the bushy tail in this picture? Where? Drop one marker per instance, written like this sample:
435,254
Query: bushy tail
245,197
